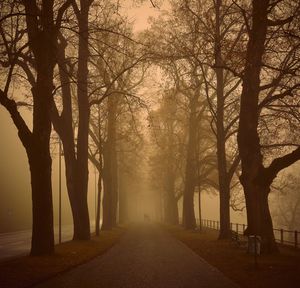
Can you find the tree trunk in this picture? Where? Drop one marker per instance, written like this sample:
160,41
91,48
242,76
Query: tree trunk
64,127
171,210
254,178
189,220
170,203
110,200
115,189
123,194
224,182
42,207
98,214
39,151
107,193
82,230
258,215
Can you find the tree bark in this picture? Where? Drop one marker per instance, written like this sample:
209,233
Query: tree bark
189,220
171,209
40,162
170,203
98,214
123,197
82,232
224,182
43,44
256,188
76,162
110,196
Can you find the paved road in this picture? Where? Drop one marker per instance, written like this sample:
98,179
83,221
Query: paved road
146,257
18,243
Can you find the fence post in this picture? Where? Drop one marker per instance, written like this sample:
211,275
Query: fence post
243,228
237,228
214,224
296,239
217,225
281,236
230,226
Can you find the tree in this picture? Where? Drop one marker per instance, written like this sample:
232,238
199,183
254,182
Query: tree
76,157
218,31
40,40
285,203
117,80
166,132
257,177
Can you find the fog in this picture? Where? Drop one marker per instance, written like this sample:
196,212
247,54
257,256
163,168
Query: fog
15,202
142,196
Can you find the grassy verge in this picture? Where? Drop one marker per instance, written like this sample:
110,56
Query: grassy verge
27,271
280,270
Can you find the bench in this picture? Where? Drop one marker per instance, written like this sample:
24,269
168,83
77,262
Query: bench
238,239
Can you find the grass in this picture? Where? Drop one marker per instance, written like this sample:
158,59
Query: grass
28,270
279,270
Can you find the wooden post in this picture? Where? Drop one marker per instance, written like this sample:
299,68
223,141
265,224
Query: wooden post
281,236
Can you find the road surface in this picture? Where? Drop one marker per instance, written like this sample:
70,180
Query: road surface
18,243
145,257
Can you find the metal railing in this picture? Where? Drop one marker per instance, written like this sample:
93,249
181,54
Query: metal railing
282,236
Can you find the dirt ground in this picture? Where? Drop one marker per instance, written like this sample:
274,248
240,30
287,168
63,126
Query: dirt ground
27,271
279,270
